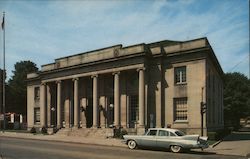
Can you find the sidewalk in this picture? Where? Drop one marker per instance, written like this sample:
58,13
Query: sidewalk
63,138
237,143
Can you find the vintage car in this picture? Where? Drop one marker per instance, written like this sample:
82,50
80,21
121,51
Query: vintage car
172,139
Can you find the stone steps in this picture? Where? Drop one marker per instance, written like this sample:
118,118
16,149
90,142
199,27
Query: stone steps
87,132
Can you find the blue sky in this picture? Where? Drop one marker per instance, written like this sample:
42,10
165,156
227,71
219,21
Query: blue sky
42,31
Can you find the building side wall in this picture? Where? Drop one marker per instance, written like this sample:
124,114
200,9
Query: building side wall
215,108
195,73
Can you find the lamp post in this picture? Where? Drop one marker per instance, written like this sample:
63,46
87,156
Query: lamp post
111,112
54,120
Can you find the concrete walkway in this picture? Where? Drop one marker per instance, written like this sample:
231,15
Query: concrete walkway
238,143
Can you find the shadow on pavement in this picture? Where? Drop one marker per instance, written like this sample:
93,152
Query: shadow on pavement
237,136
183,152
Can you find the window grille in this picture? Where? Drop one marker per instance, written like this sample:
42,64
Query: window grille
181,109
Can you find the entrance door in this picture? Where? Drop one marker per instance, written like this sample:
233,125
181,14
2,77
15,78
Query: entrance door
133,110
89,113
110,111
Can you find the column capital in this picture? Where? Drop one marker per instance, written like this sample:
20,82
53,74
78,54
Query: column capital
75,79
43,83
118,73
139,69
59,81
94,76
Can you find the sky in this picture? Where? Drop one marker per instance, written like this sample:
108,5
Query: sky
42,31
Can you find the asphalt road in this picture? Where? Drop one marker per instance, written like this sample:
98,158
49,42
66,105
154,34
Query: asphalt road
16,148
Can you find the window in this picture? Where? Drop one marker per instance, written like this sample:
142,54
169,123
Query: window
172,134
180,75
163,133
152,133
134,109
36,115
37,93
180,109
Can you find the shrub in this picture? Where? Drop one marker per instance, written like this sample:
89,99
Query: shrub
211,136
118,133
33,130
44,130
219,134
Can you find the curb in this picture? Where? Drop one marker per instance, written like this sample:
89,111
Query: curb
65,141
217,143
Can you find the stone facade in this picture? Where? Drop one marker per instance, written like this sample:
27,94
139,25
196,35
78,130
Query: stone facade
147,85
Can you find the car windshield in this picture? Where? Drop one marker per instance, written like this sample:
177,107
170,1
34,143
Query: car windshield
179,133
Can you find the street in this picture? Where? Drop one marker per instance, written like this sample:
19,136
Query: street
14,148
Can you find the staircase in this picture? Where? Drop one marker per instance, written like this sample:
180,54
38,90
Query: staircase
87,132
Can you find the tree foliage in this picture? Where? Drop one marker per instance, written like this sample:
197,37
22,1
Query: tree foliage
17,88
236,98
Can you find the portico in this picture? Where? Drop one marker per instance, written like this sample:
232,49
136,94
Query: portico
71,107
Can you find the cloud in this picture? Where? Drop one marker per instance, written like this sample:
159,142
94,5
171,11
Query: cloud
53,29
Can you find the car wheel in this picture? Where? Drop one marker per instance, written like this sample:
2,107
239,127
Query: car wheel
132,144
175,148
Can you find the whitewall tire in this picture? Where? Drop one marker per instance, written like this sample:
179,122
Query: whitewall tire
175,148
132,144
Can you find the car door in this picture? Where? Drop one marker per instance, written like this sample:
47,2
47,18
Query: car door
162,138
149,139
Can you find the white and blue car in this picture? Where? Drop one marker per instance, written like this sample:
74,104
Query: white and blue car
172,139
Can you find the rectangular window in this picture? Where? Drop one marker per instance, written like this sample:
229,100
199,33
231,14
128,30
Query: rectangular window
180,75
134,109
37,93
180,109
36,115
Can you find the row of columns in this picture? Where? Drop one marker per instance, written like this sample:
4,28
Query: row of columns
117,119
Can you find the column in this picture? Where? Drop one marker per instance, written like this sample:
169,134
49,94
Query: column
83,116
43,104
76,104
59,104
67,105
141,97
95,101
48,106
116,99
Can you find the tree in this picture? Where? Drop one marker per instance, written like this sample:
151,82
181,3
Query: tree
17,88
236,98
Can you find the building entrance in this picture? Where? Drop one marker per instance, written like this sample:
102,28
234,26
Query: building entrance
133,110
110,111
89,113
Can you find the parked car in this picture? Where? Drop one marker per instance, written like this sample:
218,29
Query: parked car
172,139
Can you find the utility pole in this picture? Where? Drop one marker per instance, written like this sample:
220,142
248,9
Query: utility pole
3,28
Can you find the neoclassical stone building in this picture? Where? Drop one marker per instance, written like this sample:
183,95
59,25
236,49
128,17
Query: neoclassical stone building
135,87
